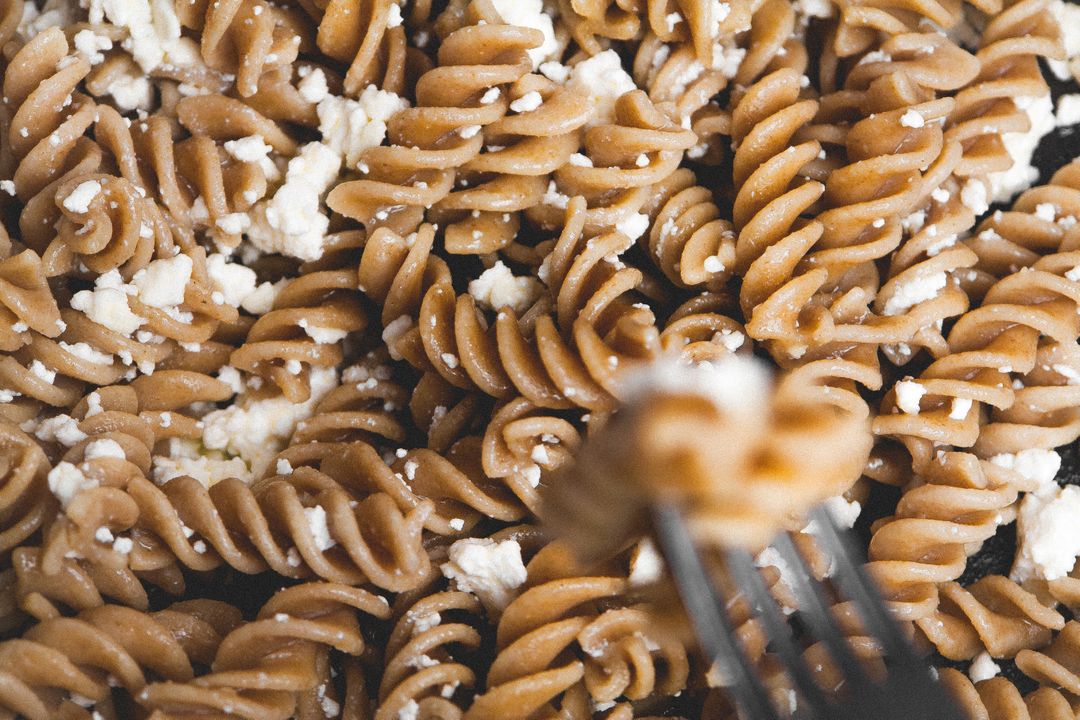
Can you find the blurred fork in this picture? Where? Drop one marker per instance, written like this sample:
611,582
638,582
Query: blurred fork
908,691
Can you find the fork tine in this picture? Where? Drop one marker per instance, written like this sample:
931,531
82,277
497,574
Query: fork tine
815,609
857,586
712,626
779,632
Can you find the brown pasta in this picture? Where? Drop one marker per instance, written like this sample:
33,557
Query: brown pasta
345,295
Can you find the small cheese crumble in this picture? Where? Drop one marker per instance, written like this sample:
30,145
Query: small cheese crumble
983,667
66,481
103,449
908,395
646,564
1033,464
79,199
1048,536
530,14
633,225
320,530
528,102
490,570
909,294
602,80
498,287
912,119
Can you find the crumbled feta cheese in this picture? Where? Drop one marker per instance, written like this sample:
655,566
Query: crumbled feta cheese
320,531
322,335
162,283
555,72
393,331
91,45
530,14
42,372
602,80
727,57
1068,17
960,408
104,535
256,430
908,395
131,91
1021,147
646,564
713,264
633,226
912,119
107,303
79,199
490,570
983,667
104,448
532,473
423,623
457,524
1034,464
490,96
409,711
235,282
283,467
555,198
153,29
313,87
913,292
973,196
350,126
730,339
1048,536
498,287
1068,109
66,481
63,429
527,102
292,222
579,160
261,300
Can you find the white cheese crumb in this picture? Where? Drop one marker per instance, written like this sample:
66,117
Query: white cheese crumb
498,287
63,429
490,96
313,87
1068,109
1021,147
602,80
908,395
912,119
107,303
983,667
973,196
457,524
960,408
162,283
579,160
528,102
409,711
283,467
320,531
490,570
103,449
915,291
530,14
633,226
646,564
393,20
1034,464
79,199
66,481
1048,535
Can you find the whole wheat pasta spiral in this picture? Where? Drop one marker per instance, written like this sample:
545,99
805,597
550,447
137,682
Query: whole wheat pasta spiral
558,650
260,667
673,463
245,38
988,351
358,32
63,662
420,668
443,132
24,499
1009,75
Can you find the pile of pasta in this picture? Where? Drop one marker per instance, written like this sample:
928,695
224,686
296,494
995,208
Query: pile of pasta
306,305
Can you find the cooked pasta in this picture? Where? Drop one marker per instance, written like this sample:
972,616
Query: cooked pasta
360,300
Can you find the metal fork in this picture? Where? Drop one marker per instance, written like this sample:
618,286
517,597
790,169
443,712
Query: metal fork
908,689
